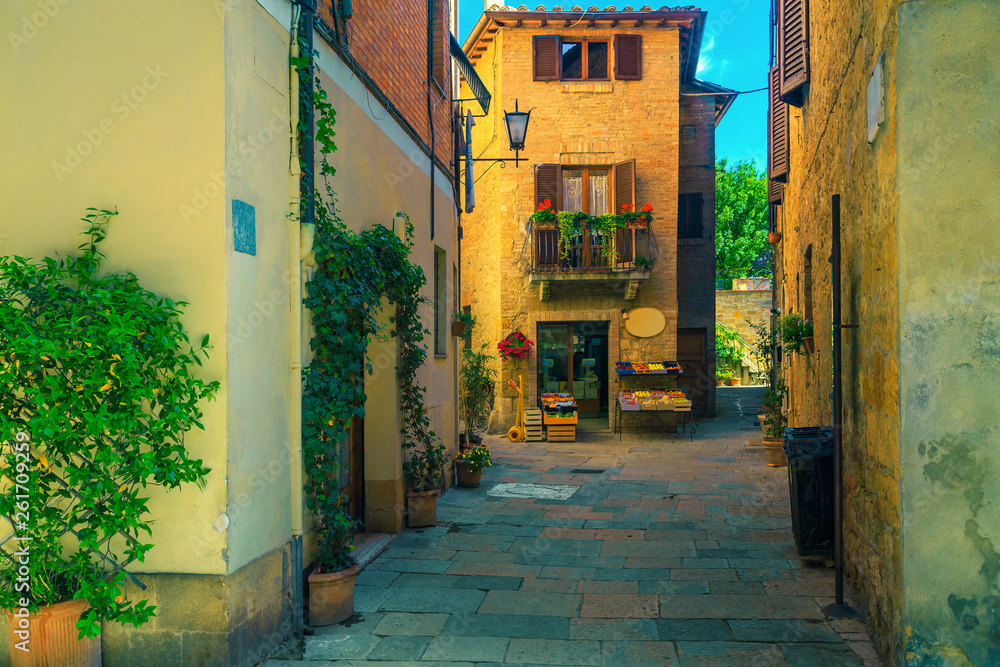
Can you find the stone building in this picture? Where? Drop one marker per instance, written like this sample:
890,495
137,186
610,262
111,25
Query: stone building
618,118
891,105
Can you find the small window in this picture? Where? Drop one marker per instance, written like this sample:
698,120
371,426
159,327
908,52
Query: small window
584,60
689,215
440,303
807,285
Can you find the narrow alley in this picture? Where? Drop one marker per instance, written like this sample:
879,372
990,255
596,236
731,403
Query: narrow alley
668,552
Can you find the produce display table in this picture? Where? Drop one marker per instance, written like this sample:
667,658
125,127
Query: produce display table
653,397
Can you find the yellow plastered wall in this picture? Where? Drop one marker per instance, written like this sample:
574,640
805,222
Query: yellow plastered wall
258,297
121,104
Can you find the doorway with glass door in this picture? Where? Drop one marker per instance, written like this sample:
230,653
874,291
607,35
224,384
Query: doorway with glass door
573,358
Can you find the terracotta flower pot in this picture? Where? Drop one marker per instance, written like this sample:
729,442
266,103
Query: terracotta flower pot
810,344
422,508
457,328
466,478
773,237
719,382
734,382
775,453
52,638
331,596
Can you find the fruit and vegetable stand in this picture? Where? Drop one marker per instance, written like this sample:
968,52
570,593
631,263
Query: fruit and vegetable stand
559,413
640,395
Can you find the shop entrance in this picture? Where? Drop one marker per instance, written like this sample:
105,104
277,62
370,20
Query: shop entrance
573,358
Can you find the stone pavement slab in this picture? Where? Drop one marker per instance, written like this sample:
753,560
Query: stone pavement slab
676,552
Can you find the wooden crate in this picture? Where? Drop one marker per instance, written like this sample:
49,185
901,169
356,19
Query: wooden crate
561,433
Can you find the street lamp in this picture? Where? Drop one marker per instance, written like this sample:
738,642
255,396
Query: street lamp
516,122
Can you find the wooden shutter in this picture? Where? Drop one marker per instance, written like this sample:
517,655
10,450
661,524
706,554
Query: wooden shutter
548,185
777,133
623,245
628,56
690,209
545,52
775,190
624,175
793,49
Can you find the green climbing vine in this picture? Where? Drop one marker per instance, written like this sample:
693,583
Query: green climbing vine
355,271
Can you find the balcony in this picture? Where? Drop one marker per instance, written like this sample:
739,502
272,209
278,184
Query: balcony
624,256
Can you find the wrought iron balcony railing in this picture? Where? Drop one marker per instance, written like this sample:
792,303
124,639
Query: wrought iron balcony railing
625,250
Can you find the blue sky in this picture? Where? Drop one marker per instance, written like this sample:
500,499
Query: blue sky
734,53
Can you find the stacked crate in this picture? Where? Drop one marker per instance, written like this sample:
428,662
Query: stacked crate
533,425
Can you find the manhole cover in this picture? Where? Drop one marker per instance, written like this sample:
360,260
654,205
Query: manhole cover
547,491
587,471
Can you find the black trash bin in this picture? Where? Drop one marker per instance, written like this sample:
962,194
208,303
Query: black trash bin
810,487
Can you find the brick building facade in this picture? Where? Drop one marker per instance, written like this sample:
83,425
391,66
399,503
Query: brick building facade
617,117
866,105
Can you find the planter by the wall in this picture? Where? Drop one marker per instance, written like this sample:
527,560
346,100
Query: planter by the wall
719,382
466,478
457,328
331,596
734,382
810,344
421,508
773,237
775,453
53,638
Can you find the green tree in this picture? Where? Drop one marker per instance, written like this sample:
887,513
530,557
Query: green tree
740,218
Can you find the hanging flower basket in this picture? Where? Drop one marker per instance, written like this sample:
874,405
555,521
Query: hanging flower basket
515,346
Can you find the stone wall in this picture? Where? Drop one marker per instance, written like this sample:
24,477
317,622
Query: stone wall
734,308
830,155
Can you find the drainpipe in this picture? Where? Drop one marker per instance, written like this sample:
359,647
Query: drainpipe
300,228
430,107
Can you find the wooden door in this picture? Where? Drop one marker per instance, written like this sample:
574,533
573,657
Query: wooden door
352,475
691,347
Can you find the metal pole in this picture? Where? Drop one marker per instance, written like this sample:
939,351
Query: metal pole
838,609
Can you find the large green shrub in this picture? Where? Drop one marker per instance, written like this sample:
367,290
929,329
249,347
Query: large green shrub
96,394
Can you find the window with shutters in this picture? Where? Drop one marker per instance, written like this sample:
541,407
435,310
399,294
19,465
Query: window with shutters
689,215
568,59
777,132
440,303
793,50
807,285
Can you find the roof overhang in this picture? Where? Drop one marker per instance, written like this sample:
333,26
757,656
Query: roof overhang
724,97
476,84
689,20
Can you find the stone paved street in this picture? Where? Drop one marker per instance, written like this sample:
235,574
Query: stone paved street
670,552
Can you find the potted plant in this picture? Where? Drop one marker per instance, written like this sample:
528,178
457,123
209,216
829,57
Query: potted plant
470,464
90,363
515,346
775,421
773,237
796,333
477,375
331,583
545,216
461,326
642,263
